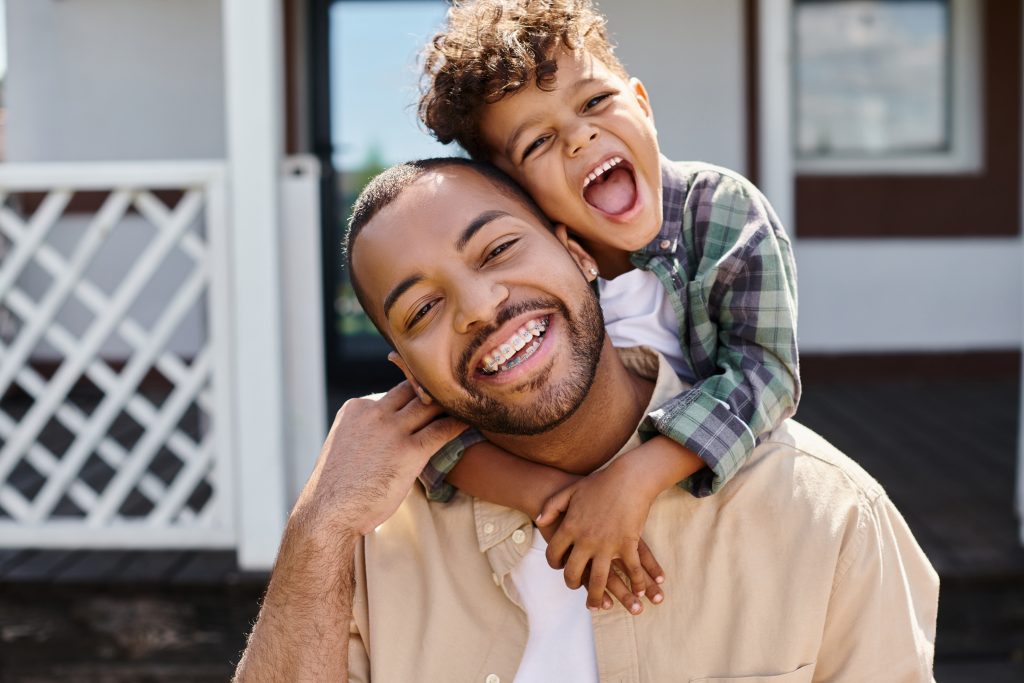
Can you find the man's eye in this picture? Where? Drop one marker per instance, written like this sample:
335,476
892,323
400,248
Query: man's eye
594,101
424,309
499,250
534,145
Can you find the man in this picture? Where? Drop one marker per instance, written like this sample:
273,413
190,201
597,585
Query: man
800,570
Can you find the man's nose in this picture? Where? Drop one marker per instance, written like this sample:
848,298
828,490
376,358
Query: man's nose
479,303
580,137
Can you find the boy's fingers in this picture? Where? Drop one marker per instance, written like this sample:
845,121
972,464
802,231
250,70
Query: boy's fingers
554,507
574,568
617,587
600,568
649,562
635,572
558,546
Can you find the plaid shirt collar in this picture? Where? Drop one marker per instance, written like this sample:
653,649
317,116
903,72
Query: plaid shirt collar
674,186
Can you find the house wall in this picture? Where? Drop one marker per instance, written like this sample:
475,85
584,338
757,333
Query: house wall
114,80
689,56
856,295
143,79
99,80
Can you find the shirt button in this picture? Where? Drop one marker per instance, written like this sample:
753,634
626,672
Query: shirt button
518,535
488,528
492,678
665,244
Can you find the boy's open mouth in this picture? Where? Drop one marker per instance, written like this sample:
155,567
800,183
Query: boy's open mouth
520,346
611,187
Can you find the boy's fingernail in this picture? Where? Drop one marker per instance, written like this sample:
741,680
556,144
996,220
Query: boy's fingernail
660,579
657,599
640,594
635,609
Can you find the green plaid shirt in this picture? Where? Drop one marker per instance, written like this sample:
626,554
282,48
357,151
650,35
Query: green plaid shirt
727,264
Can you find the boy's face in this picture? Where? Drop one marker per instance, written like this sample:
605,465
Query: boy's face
558,144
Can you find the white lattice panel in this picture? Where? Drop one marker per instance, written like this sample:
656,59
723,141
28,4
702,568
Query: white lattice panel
115,426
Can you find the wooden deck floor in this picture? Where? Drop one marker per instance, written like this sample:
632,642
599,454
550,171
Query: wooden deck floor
945,451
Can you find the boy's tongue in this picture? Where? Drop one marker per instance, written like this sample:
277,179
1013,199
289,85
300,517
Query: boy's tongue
614,192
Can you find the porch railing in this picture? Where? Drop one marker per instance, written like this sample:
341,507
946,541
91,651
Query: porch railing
115,356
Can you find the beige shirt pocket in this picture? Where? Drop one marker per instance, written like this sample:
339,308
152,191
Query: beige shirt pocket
801,675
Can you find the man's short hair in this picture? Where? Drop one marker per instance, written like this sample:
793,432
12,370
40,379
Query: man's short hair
493,48
386,187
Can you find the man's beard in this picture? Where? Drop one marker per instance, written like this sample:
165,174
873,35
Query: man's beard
554,404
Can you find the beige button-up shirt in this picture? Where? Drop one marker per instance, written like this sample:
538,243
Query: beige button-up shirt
799,570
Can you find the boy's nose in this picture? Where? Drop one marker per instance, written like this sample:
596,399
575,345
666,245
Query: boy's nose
579,141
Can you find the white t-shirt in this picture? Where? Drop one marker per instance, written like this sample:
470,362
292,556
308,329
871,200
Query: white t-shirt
637,312
560,646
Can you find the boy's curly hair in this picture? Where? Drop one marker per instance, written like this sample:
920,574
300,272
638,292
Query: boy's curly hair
493,48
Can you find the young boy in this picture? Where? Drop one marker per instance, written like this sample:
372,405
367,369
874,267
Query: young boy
694,264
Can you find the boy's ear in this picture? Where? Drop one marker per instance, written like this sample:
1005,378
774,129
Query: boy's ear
424,396
580,255
642,98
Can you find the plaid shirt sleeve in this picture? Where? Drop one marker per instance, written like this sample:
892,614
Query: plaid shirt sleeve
733,283
434,475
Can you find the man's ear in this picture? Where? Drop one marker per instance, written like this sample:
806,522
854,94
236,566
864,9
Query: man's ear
642,98
425,398
580,255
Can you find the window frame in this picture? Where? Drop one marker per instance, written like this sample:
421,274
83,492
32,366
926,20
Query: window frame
965,111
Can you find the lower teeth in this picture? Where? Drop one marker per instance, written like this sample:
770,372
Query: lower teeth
523,355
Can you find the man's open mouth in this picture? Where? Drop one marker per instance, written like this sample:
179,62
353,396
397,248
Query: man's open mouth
611,187
520,346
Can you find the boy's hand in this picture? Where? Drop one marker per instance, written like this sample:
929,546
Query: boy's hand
602,517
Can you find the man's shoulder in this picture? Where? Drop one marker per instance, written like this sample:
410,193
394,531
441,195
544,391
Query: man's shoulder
820,470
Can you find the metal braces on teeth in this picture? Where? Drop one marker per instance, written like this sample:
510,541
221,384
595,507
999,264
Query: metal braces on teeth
533,328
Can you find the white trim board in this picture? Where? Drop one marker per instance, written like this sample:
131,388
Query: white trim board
860,296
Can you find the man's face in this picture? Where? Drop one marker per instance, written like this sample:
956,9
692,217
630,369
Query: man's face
586,151
487,309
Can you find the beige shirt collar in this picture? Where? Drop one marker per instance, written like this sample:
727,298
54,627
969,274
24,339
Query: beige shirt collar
504,534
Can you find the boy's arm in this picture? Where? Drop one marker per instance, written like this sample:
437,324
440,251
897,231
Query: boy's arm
493,474
604,516
488,472
741,313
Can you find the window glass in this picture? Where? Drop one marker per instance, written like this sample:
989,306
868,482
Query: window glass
873,78
373,53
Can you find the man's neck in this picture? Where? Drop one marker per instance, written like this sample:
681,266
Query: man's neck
602,424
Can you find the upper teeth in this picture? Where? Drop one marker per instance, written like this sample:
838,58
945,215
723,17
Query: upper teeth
501,355
600,170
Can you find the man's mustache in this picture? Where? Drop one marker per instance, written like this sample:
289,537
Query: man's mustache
504,315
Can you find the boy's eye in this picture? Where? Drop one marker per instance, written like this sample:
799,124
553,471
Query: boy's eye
499,250
534,145
596,100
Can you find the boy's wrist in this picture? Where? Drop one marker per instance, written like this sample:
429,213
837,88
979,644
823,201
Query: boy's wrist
534,497
660,464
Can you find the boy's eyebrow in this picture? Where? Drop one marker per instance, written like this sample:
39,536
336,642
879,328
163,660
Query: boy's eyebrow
400,289
573,89
511,144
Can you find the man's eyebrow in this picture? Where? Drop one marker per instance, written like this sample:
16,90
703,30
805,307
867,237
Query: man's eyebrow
475,225
400,289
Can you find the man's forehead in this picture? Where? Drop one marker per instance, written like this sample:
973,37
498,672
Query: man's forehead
441,203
